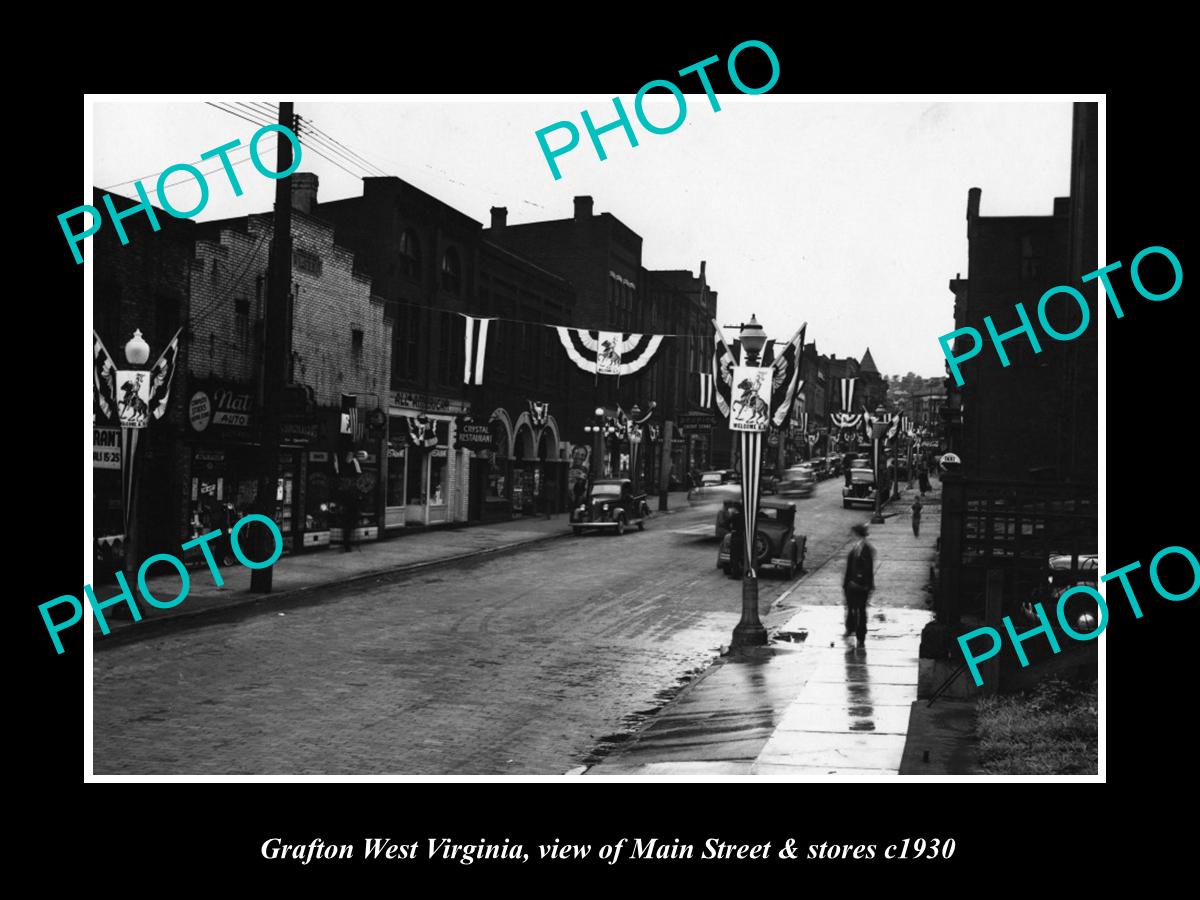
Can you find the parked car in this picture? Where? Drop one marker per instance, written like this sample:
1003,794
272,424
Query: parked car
725,516
716,486
1059,579
861,488
833,466
611,505
775,541
798,481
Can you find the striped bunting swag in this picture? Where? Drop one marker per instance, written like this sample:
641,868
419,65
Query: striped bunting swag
847,385
608,352
474,348
706,389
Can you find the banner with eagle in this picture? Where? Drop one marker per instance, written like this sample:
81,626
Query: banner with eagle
608,352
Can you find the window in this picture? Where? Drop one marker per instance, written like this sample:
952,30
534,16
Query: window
451,271
1029,262
404,343
410,254
241,321
306,262
356,340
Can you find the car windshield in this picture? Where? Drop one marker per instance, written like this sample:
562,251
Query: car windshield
711,478
606,491
862,476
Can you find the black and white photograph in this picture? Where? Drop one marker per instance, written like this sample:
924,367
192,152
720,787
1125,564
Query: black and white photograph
502,436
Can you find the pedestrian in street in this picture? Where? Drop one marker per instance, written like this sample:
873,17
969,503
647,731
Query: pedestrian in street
924,479
858,584
544,498
221,521
916,516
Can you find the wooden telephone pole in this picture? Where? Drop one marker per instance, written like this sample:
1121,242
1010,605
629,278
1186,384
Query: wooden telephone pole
275,350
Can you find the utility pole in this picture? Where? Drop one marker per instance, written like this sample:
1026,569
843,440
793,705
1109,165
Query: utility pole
275,349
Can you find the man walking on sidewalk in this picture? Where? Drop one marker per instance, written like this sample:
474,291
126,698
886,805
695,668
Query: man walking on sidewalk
916,516
858,583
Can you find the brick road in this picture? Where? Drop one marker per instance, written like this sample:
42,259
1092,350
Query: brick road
517,664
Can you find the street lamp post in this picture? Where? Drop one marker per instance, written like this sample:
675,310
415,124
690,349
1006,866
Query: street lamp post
597,429
879,429
634,429
749,632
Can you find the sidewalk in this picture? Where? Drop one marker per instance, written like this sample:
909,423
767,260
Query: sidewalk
297,574
810,704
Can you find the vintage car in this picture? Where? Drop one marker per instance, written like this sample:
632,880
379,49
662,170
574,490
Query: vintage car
611,505
833,466
715,488
775,541
859,489
798,481
1080,610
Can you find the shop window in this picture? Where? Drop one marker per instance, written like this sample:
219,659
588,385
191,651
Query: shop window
241,321
451,271
410,253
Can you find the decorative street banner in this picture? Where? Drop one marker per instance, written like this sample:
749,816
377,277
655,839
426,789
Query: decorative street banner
421,431
706,389
475,348
133,400
750,409
847,385
608,352
539,412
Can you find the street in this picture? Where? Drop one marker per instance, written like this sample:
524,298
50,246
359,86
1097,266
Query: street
528,662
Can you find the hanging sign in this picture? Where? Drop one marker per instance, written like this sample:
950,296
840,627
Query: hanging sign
472,434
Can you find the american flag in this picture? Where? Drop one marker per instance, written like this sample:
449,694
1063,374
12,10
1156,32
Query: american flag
350,423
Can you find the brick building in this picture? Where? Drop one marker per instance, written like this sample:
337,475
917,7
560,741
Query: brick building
337,345
601,257
432,265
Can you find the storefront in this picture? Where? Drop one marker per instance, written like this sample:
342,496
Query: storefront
225,460
539,471
423,468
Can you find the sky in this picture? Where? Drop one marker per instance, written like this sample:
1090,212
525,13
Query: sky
848,215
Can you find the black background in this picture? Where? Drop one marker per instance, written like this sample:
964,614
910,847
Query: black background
209,833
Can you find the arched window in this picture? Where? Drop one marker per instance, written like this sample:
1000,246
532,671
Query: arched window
410,253
451,271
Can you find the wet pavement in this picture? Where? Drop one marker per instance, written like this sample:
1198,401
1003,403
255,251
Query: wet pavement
531,661
814,705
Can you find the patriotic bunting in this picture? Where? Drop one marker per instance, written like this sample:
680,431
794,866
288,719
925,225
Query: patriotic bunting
350,423
846,420
787,377
104,377
847,385
539,412
785,372
706,389
608,352
474,348
160,378
421,431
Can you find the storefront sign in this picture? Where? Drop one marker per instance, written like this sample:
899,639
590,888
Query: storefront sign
472,434
199,411
205,454
318,456
428,402
694,422
106,448
298,432
232,407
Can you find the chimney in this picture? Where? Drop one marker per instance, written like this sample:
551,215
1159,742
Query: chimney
499,216
973,196
1062,206
583,208
304,192
701,270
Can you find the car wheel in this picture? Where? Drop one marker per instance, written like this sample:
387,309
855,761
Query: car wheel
762,548
642,524
791,569
845,504
577,529
620,524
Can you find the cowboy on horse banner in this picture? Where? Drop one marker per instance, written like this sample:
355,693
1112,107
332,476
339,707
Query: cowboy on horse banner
750,409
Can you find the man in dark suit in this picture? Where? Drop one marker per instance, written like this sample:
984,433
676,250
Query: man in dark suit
858,584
